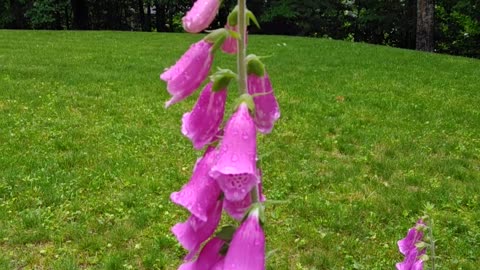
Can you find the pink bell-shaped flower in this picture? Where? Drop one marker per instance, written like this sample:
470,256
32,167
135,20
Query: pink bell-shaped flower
201,15
189,72
203,122
235,168
247,249
192,233
267,110
208,258
412,261
230,45
238,209
413,236
201,193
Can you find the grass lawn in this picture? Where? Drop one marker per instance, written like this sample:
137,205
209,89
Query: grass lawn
368,136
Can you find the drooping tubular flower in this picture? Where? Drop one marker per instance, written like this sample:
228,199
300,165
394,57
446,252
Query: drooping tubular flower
201,193
201,15
267,111
189,72
414,236
408,247
193,232
235,169
208,258
201,125
247,249
238,209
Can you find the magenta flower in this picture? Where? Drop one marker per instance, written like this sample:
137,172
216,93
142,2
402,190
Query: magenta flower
407,247
247,249
203,122
412,261
189,72
266,106
235,169
192,233
230,45
202,192
238,209
413,236
208,258
201,15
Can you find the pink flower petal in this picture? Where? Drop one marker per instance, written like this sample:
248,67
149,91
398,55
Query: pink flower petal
189,72
202,124
247,249
201,193
235,169
267,111
201,15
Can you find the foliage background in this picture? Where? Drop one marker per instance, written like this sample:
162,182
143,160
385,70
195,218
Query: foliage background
389,22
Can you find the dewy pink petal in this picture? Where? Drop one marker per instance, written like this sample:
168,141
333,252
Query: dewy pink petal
235,169
201,193
230,45
208,257
267,110
189,72
247,249
238,209
202,124
192,233
201,15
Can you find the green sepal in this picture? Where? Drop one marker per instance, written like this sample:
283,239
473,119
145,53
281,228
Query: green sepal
234,34
232,18
424,257
248,100
254,65
421,245
226,233
217,38
256,207
251,17
221,79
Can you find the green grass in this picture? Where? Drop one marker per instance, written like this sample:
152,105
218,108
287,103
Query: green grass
368,135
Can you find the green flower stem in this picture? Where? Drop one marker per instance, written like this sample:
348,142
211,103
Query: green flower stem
242,48
242,66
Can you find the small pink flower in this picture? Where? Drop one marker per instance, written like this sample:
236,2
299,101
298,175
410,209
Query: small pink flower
189,72
192,233
407,247
267,110
201,15
202,192
235,169
231,44
208,258
247,249
202,124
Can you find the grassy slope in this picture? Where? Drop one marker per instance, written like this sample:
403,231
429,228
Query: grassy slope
368,135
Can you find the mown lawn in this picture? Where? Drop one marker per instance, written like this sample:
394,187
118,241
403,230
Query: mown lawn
368,136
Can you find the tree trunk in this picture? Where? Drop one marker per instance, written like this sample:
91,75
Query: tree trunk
160,16
80,14
148,20
425,25
142,14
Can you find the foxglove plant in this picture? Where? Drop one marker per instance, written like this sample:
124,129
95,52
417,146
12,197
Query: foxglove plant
415,245
227,177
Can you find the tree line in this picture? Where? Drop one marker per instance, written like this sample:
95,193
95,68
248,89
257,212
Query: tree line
445,26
